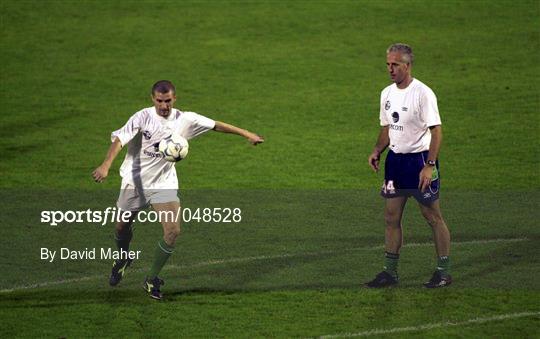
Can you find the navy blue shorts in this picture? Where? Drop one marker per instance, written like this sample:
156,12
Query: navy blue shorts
401,177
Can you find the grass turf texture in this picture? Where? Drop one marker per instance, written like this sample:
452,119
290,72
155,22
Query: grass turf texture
307,76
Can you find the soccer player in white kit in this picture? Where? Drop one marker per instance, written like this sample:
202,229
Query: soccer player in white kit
148,179
411,129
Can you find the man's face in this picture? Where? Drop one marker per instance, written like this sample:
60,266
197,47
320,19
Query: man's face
397,69
163,102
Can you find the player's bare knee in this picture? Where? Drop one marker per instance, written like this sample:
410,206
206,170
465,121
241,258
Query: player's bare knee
125,226
434,220
392,220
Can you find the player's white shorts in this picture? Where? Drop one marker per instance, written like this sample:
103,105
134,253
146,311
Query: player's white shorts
133,199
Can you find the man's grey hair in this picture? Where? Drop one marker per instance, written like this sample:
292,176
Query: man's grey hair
407,55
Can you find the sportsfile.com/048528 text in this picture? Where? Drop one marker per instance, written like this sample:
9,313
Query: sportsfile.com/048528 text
113,214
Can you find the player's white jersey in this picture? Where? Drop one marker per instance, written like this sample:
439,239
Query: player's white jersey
409,113
144,166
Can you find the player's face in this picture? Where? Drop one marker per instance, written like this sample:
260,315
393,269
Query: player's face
164,102
398,70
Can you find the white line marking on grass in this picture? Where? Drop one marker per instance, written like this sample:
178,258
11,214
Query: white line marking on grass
431,326
260,257
49,283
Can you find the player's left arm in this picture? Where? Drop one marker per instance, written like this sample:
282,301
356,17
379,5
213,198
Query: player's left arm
253,138
434,147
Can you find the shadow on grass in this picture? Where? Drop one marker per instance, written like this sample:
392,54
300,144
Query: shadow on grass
507,266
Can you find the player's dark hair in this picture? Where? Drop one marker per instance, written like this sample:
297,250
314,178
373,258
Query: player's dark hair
163,86
404,49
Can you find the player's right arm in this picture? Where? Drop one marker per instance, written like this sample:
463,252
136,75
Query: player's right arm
384,139
382,142
102,171
119,138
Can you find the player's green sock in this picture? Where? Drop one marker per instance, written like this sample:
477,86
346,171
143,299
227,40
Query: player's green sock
163,252
123,240
391,262
443,265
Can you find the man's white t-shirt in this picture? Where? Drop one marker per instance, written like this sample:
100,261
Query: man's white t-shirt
409,113
144,166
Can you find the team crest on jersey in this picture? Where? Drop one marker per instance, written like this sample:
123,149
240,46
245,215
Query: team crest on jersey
147,135
387,105
395,116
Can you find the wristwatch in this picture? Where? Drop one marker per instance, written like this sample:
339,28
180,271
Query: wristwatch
431,162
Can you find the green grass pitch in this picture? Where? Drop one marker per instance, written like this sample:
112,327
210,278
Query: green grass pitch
307,76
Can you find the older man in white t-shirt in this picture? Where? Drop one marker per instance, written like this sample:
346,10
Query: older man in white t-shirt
411,130
148,179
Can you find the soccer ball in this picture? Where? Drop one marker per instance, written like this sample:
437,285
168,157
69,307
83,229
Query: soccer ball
174,147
